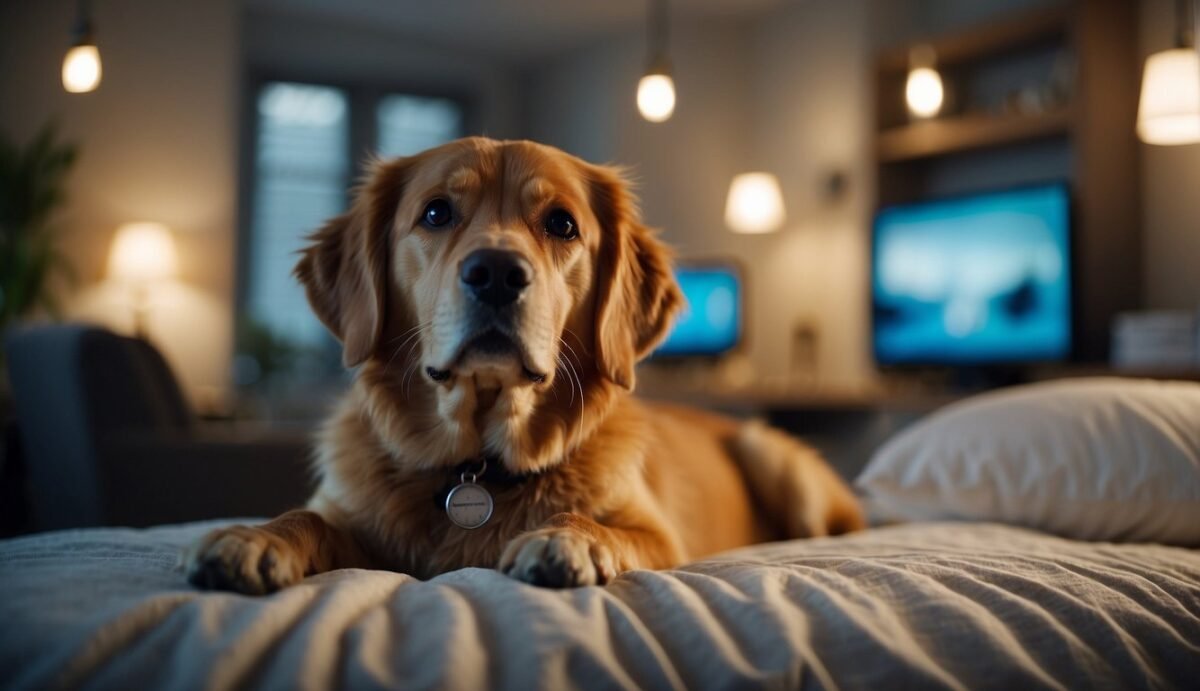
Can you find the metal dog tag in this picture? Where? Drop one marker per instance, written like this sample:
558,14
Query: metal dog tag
469,505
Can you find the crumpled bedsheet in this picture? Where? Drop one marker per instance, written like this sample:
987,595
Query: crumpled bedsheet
936,605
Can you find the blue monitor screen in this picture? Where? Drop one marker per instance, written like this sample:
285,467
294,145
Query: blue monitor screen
711,321
974,280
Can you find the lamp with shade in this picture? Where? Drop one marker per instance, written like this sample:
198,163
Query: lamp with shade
755,204
1169,108
143,254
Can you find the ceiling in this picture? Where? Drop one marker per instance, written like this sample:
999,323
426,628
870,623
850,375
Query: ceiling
512,30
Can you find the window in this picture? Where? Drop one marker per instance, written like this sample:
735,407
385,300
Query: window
301,169
303,165
409,124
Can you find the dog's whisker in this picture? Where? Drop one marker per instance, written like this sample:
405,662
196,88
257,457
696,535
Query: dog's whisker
574,335
413,365
579,381
578,360
413,336
411,342
557,369
409,331
582,402
562,360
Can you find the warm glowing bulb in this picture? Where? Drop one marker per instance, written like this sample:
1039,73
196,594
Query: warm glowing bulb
924,92
143,252
656,97
1169,110
81,69
755,204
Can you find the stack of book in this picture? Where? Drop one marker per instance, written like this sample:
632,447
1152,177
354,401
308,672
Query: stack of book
1166,339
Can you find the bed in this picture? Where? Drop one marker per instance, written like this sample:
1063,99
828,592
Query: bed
1111,601
933,605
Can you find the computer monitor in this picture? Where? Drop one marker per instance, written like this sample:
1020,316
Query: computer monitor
710,323
974,280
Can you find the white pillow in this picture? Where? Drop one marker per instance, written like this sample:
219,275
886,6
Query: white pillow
1094,459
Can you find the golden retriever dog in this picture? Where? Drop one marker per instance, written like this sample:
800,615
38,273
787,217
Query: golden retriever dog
495,297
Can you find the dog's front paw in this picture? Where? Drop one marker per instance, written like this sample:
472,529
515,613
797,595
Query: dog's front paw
244,560
558,558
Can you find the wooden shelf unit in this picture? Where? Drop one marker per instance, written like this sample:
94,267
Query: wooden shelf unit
992,39
938,137
1094,131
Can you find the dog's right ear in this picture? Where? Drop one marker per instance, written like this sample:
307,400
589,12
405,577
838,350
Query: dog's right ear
345,270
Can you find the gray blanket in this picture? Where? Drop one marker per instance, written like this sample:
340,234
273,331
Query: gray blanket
923,605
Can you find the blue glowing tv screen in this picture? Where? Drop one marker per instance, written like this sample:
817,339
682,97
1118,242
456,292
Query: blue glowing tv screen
711,321
976,280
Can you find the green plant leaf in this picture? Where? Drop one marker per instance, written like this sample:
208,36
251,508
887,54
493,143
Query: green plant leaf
32,191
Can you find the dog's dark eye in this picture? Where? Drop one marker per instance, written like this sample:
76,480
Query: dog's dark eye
561,225
437,213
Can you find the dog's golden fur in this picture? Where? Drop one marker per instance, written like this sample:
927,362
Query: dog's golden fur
603,482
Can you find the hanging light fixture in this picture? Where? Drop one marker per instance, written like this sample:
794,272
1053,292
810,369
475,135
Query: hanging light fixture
754,204
656,89
1169,109
81,66
923,90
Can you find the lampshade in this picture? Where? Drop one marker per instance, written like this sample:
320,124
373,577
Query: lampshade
923,91
656,97
143,252
755,204
1169,111
81,68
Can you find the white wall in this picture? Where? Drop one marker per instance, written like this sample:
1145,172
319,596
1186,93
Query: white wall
157,143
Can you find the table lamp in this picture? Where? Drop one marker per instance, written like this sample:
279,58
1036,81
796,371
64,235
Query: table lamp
142,254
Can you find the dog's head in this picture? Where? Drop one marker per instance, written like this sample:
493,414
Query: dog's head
496,294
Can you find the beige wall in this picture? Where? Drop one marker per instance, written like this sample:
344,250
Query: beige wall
1170,194
157,143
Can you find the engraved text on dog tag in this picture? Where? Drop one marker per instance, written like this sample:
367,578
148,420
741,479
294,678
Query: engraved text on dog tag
469,505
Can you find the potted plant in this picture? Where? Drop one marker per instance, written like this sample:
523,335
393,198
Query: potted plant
32,191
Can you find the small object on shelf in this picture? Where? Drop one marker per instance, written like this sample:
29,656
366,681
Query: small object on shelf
1162,339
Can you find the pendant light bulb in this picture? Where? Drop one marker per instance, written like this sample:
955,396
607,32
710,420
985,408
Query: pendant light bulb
81,70
656,88
923,90
656,97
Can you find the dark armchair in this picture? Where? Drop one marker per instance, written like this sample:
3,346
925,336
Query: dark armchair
107,438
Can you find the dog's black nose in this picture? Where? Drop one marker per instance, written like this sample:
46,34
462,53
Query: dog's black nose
495,277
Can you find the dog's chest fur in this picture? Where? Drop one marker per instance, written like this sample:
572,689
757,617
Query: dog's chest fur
398,516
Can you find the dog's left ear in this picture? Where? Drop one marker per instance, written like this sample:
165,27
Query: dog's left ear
636,292
345,269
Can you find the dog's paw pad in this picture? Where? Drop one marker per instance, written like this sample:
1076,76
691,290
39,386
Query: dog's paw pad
243,560
558,558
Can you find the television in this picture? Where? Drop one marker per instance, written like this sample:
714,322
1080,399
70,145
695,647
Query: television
710,323
974,280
